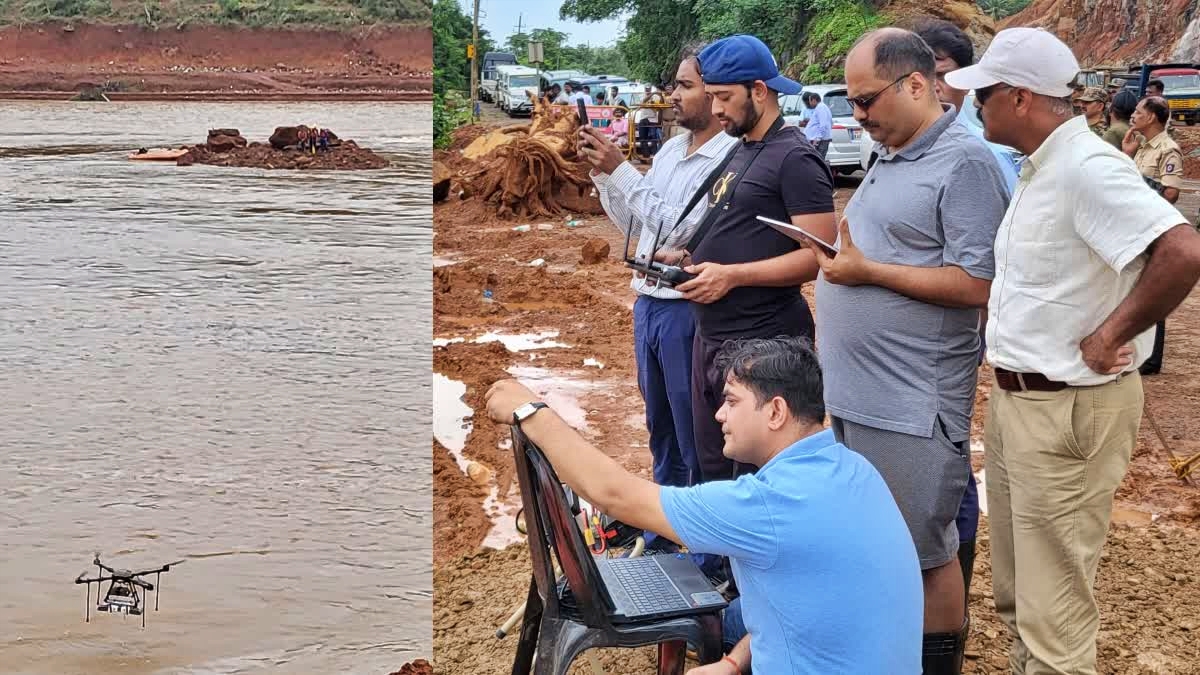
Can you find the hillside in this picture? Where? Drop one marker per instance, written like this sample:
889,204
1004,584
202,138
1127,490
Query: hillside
231,49
240,13
1119,32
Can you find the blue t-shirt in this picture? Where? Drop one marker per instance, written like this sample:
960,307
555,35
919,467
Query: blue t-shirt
827,570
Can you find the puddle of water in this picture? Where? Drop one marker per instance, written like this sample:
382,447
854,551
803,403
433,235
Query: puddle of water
559,390
451,417
512,342
451,426
523,341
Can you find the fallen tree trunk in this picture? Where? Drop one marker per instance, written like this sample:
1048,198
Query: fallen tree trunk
523,173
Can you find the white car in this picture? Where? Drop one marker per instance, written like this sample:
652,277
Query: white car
843,153
867,152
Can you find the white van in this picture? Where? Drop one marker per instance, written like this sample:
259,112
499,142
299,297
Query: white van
487,79
514,82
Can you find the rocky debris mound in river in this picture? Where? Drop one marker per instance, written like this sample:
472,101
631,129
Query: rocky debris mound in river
418,667
227,147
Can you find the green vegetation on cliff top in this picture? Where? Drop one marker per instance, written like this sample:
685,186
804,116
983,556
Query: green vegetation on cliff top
248,13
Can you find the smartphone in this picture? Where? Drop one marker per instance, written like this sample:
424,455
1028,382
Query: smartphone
583,116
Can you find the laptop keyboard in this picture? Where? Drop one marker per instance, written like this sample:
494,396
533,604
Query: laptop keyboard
648,586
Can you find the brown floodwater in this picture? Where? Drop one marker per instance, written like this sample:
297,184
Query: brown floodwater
224,366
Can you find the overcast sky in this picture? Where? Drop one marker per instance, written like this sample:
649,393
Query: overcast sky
499,18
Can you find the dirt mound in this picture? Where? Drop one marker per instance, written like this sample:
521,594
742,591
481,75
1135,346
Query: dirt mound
223,149
139,62
1113,32
594,251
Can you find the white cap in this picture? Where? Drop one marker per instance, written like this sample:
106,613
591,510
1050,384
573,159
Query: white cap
1030,58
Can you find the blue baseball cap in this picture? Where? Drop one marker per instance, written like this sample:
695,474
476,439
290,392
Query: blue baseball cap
743,58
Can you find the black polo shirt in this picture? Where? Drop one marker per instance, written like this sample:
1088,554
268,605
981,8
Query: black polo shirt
786,178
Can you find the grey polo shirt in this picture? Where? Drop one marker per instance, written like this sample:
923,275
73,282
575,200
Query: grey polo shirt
889,361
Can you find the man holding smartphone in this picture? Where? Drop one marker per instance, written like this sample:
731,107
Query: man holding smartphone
655,205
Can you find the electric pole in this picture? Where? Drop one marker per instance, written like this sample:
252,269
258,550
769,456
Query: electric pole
474,61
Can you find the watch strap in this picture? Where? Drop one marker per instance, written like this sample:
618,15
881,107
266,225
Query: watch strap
535,405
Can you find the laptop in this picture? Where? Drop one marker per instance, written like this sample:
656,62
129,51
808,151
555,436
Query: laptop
657,587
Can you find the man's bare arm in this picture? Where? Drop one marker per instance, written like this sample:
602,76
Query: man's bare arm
949,286
598,477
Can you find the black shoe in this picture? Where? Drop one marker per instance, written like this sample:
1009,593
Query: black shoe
1148,369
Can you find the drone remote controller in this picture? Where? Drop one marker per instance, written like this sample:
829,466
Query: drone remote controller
666,275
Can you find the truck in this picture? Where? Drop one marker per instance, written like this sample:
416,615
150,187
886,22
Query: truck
1181,88
487,73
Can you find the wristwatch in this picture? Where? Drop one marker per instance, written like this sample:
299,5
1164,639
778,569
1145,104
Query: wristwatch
524,412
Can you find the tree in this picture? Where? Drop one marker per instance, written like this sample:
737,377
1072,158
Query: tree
451,35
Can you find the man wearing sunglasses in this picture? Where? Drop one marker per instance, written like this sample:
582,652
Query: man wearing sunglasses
898,309
1089,259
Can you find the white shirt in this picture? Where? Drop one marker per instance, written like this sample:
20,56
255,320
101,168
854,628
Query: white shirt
1069,250
587,98
658,197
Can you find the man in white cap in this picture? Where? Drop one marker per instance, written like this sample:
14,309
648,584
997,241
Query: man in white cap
1087,260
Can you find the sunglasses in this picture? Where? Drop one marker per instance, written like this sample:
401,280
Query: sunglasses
982,95
864,103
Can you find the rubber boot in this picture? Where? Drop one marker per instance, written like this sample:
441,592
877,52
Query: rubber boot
942,653
966,559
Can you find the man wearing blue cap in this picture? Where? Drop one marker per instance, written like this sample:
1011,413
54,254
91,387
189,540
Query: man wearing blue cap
749,275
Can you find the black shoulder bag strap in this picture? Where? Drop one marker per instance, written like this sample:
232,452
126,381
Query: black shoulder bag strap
715,209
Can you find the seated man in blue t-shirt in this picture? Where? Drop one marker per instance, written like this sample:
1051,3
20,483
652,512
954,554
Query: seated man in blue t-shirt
827,569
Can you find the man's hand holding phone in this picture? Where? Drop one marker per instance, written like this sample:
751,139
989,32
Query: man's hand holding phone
599,150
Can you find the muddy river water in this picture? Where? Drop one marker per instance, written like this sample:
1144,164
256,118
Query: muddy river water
224,366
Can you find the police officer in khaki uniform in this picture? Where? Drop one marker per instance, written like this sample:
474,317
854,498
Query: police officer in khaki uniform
1093,102
1158,158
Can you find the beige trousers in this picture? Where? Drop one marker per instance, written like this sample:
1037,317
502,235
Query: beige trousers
1053,462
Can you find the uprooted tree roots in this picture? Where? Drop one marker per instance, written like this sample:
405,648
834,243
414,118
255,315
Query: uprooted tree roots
525,167
523,177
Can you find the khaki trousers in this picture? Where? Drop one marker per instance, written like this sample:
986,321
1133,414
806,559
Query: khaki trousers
1053,463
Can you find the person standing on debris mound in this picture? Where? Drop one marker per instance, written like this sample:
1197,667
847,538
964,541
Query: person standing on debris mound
898,309
814,598
749,275
1090,260
656,204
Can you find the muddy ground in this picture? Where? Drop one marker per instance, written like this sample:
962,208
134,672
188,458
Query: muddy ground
1149,584
216,62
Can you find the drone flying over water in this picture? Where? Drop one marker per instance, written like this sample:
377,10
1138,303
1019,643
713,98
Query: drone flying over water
123,596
